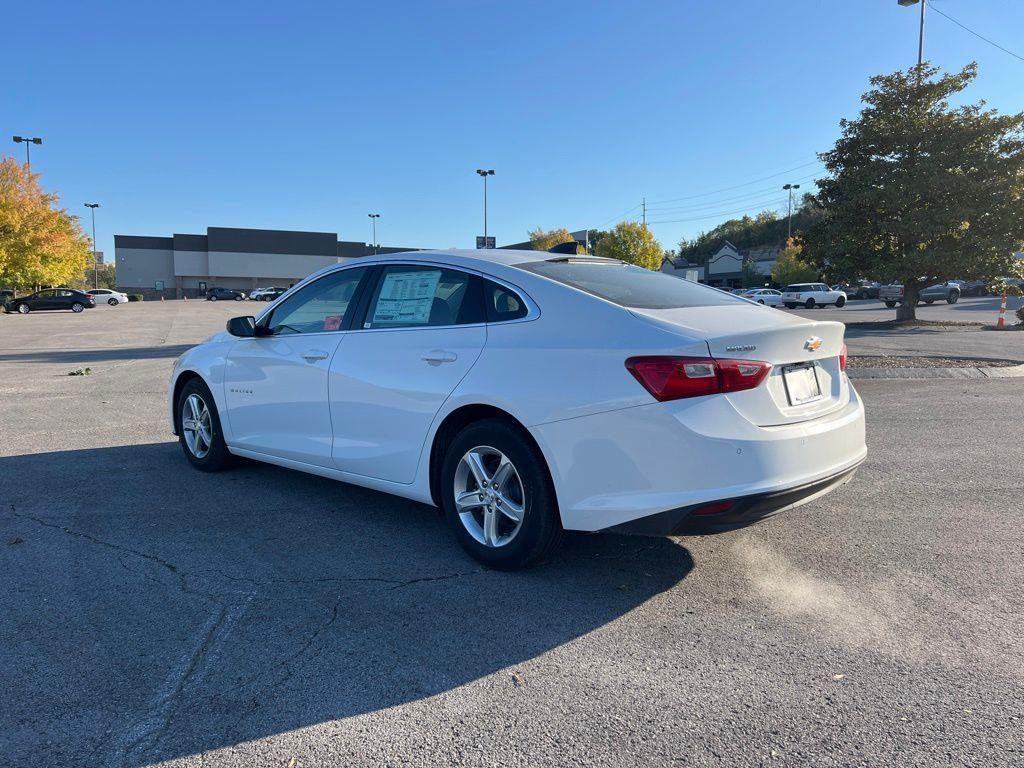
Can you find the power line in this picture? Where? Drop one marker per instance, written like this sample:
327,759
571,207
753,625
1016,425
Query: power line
617,218
977,34
751,196
738,186
715,215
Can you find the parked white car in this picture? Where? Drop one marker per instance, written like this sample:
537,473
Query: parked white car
768,296
528,393
107,296
260,294
811,295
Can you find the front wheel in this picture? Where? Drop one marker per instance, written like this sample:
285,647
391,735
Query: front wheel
953,298
790,305
23,309
76,307
112,302
199,429
212,298
809,304
841,301
890,304
760,301
498,497
238,298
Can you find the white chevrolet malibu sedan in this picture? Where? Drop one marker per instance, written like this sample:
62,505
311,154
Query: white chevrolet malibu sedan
528,393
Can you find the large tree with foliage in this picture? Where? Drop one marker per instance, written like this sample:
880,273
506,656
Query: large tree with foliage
791,267
919,191
765,228
545,240
40,243
631,242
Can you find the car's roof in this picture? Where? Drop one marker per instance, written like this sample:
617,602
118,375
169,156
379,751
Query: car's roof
470,257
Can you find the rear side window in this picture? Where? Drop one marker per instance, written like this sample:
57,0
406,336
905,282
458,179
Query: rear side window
628,285
502,303
418,296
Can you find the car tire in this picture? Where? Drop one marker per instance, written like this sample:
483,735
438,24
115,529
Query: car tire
204,449
929,301
112,302
211,298
953,298
538,530
790,306
238,298
841,301
77,307
809,304
760,301
24,309
891,304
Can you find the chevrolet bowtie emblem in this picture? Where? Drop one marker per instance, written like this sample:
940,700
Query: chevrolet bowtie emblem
812,343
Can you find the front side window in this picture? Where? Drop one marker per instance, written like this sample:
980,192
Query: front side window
424,297
323,305
628,285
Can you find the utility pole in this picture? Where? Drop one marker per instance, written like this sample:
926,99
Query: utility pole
95,264
643,203
28,142
789,188
920,34
485,173
373,218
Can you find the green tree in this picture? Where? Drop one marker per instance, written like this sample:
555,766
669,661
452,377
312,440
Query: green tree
545,240
920,192
105,277
749,276
40,243
791,267
633,243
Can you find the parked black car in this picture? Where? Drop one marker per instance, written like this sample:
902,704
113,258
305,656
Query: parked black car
224,294
51,298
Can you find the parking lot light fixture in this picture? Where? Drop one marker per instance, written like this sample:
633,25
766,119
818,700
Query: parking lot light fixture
373,218
95,264
485,173
920,33
789,188
28,142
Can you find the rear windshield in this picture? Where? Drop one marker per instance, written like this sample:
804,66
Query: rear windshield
628,285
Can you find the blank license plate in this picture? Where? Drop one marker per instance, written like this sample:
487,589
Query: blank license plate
801,383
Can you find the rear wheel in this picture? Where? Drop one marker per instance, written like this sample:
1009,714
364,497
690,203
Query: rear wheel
790,305
929,301
840,301
77,307
498,497
760,301
890,304
112,302
238,298
23,309
199,429
213,298
953,298
809,304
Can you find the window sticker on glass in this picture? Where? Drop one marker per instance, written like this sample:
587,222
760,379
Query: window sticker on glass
407,297
332,322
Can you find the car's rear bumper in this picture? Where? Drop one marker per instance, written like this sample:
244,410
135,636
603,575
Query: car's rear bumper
729,514
617,467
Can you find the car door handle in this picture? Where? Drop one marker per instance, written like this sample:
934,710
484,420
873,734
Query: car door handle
313,355
437,356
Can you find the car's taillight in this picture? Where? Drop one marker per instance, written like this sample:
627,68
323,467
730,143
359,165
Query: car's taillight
673,378
842,358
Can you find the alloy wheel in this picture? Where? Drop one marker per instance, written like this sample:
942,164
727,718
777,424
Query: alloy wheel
489,496
196,425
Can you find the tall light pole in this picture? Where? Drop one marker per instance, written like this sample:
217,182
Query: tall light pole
28,142
485,174
920,34
373,218
95,264
789,188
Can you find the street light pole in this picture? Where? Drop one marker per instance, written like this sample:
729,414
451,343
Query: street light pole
789,188
28,142
373,218
95,264
485,173
920,34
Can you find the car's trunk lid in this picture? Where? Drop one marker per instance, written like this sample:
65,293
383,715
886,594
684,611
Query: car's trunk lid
805,381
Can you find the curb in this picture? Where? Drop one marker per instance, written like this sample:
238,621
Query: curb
988,372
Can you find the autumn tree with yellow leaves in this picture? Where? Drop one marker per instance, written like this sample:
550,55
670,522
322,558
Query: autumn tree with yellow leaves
40,242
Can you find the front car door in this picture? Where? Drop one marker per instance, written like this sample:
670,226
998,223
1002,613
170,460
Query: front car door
422,331
275,384
43,300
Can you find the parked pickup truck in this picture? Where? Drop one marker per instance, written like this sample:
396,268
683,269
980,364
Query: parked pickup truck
948,292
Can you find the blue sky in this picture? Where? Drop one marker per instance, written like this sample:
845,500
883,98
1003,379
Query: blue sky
178,116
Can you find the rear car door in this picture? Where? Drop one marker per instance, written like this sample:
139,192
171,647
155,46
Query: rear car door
275,384
421,333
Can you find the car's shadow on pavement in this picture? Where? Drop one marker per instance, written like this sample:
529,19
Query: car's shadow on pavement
95,355
152,611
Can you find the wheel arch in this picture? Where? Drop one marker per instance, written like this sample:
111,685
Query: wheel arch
456,421
179,384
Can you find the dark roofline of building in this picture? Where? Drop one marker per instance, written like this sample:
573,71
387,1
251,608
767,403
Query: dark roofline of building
144,242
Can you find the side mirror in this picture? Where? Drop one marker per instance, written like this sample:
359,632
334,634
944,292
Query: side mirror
242,326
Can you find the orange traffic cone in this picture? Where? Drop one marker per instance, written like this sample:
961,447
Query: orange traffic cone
1002,312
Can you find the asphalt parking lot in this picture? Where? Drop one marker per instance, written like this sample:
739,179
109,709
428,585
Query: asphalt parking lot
156,615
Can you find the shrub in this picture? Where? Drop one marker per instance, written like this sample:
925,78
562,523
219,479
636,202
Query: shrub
1020,314
134,297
